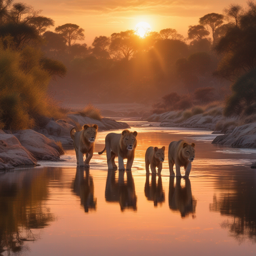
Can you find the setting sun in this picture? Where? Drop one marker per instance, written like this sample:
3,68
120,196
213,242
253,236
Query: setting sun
142,28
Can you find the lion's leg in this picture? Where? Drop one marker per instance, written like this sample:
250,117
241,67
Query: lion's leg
120,163
160,166
129,163
77,157
177,170
171,164
113,155
188,169
153,169
80,158
88,159
108,149
147,166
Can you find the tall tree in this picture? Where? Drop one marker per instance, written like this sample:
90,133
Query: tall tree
17,12
197,32
4,8
213,20
41,23
170,33
100,46
234,11
124,44
71,32
238,47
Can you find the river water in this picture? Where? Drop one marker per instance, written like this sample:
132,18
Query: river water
58,209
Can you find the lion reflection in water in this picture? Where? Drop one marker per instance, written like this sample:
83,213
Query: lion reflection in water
84,188
121,191
180,198
154,191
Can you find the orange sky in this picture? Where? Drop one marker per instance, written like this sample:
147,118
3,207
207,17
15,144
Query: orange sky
104,17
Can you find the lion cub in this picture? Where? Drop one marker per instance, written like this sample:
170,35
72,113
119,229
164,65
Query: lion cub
121,145
181,154
154,157
84,143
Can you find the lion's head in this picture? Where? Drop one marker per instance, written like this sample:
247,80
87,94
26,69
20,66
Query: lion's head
159,153
90,132
129,139
188,151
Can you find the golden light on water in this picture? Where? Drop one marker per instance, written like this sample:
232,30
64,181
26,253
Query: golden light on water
142,28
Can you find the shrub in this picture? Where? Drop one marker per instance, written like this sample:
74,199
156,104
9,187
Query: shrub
92,112
196,111
23,90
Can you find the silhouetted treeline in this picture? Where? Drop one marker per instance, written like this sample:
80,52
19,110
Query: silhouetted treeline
162,69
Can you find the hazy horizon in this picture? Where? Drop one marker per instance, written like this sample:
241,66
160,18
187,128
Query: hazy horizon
106,17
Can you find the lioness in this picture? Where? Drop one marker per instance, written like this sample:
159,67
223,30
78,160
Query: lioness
154,157
84,143
122,145
181,154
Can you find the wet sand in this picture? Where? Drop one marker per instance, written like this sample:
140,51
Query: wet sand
65,210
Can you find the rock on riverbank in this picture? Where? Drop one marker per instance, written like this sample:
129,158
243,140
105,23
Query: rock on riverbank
25,147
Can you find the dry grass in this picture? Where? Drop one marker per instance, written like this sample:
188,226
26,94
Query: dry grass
91,111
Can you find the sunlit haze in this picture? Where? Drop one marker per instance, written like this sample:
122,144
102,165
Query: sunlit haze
102,18
142,28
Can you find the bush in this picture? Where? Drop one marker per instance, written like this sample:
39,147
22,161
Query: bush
243,99
92,112
23,90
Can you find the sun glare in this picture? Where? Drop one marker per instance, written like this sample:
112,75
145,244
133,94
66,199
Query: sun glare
142,28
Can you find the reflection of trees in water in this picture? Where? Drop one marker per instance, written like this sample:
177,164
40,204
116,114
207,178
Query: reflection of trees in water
22,209
240,203
83,187
121,191
154,190
180,197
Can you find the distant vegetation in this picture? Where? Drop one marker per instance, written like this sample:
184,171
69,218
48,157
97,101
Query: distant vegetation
163,69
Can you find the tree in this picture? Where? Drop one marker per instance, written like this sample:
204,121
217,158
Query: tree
41,23
238,47
234,11
4,9
197,32
170,33
53,67
20,33
243,98
71,32
17,11
54,42
213,20
100,47
124,44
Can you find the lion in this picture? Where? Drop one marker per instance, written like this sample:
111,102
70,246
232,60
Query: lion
84,143
155,158
181,154
121,145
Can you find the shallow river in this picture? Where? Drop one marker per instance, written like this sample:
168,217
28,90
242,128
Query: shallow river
57,209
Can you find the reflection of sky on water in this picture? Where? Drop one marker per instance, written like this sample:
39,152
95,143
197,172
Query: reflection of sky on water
212,213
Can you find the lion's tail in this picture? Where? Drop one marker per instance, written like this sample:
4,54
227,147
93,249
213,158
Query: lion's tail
101,152
72,133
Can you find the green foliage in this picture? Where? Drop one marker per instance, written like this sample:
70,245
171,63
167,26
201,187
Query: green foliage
243,99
